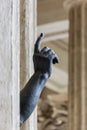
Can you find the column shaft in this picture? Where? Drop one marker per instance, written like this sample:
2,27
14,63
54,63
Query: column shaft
9,64
28,29
78,67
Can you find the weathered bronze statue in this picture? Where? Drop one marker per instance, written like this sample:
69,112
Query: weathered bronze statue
43,60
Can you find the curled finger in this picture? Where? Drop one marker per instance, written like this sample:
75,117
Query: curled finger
55,59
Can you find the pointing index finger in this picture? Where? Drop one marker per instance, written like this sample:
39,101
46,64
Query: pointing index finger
38,42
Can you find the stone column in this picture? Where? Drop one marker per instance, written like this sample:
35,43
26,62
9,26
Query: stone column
77,64
28,19
9,64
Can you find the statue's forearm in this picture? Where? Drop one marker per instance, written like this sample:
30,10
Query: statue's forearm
30,95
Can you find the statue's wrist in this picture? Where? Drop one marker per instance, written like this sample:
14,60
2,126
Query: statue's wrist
45,75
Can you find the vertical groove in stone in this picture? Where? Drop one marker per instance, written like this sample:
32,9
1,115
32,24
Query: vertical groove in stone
71,78
83,105
85,25
85,62
77,67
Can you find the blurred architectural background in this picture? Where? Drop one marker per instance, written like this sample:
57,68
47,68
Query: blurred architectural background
60,29
53,21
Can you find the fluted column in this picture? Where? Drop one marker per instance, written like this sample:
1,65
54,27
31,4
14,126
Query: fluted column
77,64
28,32
9,64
